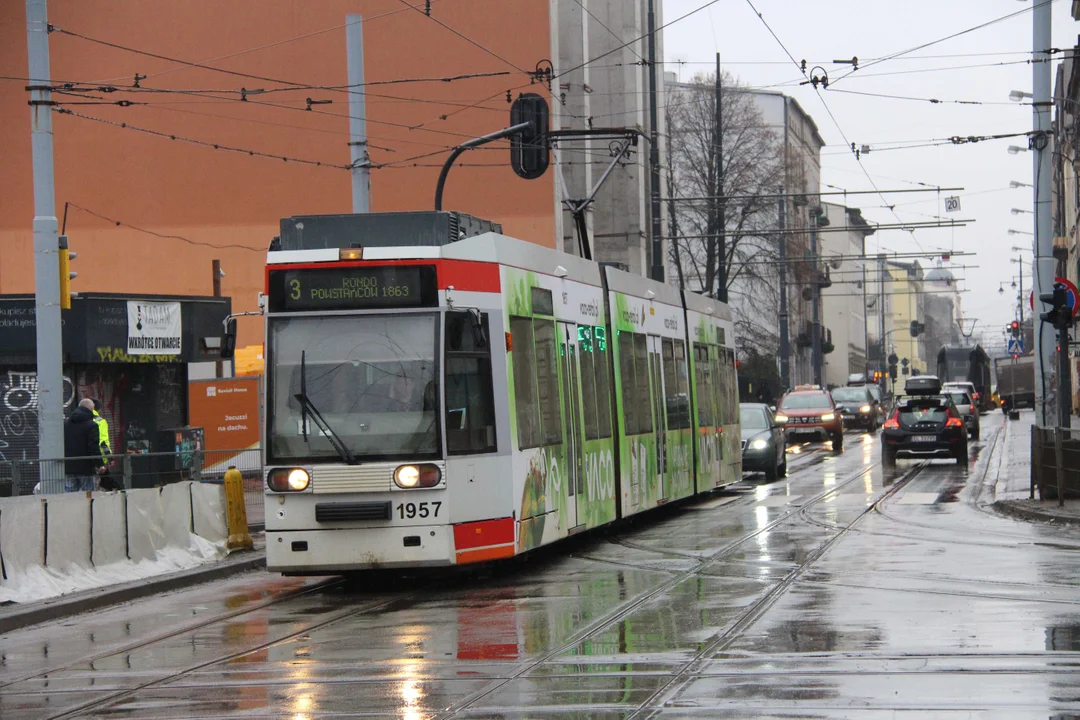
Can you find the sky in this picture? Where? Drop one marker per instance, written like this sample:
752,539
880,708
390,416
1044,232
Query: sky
825,30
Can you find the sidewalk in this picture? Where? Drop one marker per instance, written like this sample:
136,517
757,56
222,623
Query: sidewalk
18,615
1012,482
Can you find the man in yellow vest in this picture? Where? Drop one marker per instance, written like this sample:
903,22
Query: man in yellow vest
103,429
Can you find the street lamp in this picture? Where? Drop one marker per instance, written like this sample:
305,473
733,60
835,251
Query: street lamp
1017,211
1018,184
1020,95
1014,149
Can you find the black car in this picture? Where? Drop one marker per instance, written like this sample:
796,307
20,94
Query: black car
763,445
925,424
858,406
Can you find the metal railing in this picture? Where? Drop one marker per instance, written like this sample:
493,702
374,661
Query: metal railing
140,470
1055,463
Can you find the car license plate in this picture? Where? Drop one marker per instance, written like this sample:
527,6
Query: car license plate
924,438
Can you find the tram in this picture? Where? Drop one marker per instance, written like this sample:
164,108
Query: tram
440,394
965,363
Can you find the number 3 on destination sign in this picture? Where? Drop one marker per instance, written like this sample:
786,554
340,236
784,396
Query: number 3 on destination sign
294,289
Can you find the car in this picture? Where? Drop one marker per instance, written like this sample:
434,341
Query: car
968,387
858,407
969,412
924,424
764,448
809,412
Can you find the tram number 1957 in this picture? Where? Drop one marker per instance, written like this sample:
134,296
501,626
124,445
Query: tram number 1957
424,509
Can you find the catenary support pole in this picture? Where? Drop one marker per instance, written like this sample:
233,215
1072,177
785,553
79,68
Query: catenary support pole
721,210
815,306
785,342
358,147
1043,267
657,270
215,269
50,352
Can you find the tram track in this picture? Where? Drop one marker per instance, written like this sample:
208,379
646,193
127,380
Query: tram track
759,607
603,623
375,606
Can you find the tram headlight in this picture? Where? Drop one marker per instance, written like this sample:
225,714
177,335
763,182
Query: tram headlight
408,477
288,480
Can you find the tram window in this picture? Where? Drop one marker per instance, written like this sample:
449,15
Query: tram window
627,383
703,385
683,380
470,407
525,405
641,386
588,392
671,389
547,381
603,391
717,386
541,301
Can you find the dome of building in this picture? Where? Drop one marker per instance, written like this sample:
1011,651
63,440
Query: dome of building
941,275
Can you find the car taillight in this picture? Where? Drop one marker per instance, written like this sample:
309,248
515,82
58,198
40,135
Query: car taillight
893,423
976,396
953,421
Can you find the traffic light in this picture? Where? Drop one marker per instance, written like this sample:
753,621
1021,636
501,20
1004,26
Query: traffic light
66,276
529,151
1060,316
916,328
1014,328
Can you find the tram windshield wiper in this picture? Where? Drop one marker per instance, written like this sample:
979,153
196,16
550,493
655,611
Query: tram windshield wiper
309,408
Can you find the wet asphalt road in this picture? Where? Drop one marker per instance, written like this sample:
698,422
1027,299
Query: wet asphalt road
840,592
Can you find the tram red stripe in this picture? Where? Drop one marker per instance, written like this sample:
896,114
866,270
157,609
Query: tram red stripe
468,276
483,534
482,554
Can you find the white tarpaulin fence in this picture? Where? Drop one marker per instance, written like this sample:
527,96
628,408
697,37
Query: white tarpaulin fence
52,545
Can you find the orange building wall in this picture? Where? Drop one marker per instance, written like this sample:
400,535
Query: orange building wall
222,199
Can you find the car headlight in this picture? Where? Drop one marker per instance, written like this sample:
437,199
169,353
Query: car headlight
780,418
864,409
827,417
288,480
408,477
759,444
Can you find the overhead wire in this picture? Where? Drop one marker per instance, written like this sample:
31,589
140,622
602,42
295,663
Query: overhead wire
164,236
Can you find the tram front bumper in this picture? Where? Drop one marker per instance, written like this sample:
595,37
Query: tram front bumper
328,552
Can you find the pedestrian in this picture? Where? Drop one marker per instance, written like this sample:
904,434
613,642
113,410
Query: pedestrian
105,481
82,448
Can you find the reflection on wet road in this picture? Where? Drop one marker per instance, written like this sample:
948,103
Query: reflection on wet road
840,591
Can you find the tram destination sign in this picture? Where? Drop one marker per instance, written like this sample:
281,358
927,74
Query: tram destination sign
351,288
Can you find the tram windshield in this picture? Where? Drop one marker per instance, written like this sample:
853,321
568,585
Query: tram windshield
372,377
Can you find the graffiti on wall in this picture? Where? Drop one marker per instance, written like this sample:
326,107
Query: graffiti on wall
19,413
106,388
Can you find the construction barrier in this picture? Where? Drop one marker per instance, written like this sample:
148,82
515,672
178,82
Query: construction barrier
83,531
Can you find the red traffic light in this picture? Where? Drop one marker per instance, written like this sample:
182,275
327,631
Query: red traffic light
1014,325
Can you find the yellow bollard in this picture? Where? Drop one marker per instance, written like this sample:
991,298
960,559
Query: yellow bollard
236,511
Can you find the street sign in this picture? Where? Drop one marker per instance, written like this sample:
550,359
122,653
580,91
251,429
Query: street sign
1016,346
952,204
1070,293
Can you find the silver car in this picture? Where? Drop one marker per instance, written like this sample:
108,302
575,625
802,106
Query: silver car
967,409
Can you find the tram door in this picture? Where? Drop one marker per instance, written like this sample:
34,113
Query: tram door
572,419
656,376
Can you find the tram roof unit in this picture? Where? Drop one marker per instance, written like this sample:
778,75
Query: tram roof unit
706,305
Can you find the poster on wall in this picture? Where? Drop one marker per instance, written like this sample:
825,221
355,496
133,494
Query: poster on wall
153,328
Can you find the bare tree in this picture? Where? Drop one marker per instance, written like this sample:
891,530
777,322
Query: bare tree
737,190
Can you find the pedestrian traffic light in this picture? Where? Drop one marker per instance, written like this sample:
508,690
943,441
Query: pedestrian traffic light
66,276
1060,316
529,151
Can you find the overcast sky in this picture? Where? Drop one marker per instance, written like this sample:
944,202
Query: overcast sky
824,30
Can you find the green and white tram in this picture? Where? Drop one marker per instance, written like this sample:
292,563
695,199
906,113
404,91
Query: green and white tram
440,394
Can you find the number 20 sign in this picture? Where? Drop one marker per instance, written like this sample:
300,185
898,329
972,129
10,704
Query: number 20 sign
952,204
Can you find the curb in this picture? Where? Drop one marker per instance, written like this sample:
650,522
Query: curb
1015,510
17,617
